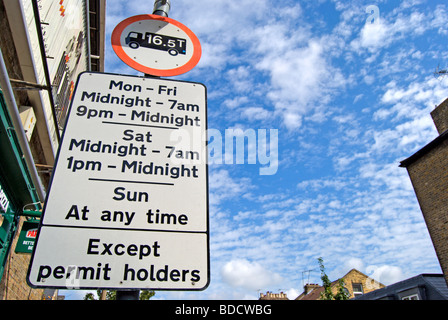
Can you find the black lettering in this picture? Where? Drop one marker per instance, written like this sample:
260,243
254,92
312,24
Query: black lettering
44,273
174,275
90,96
142,274
76,144
183,219
128,271
128,134
162,274
118,193
195,276
73,213
119,246
132,250
107,249
85,271
91,246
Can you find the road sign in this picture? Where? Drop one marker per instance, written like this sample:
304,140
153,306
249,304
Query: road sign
156,45
128,203
27,237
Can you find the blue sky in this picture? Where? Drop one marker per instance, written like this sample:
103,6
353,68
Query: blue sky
350,97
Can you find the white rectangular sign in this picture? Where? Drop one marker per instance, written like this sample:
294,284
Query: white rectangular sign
128,203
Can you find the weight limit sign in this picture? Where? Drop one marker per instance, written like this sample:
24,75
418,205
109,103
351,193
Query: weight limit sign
156,45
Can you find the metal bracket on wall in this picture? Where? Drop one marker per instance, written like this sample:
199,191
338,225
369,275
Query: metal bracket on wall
31,213
26,85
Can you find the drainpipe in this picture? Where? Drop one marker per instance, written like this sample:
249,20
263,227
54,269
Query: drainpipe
18,128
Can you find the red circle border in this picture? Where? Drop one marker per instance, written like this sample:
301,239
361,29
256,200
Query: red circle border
116,45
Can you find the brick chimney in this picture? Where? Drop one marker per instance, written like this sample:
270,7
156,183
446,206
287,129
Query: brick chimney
273,296
440,116
309,287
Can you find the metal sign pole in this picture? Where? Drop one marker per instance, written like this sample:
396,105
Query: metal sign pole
161,8
128,295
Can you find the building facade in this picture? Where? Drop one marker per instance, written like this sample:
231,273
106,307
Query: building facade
45,45
421,287
428,172
273,296
356,284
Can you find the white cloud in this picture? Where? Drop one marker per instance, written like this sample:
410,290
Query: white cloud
375,35
403,22
242,273
212,56
440,20
292,120
429,92
292,293
223,186
319,184
235,102
300,78
297,64
354,263
256,113
385,274
410,107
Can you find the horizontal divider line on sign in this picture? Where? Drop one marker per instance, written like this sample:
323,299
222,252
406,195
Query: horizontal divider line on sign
139,125
124,229
133,181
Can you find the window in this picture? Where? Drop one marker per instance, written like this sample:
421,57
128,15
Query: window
410,294
357,289
411,297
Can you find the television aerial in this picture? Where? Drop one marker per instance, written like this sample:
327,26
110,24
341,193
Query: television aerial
440,73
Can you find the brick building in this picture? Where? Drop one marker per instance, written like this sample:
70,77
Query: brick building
273,296
355,282
428,171
44,45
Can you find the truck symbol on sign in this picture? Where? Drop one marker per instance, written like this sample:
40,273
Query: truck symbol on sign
173,45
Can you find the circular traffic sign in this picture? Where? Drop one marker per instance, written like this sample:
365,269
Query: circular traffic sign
156,45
